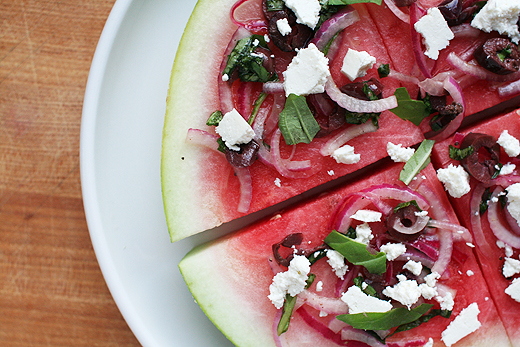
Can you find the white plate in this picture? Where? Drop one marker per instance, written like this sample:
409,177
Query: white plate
121,135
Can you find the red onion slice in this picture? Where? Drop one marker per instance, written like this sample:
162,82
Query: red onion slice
202,138
451,85
478,71
346,135
339,21
509,89
253,25
501,232
397,11
458,231
512,222
323,304
420,224
356,105
417,256
273,87
476,226
246,188
415,14
348,333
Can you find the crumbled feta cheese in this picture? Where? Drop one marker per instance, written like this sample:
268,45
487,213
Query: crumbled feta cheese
513,199
423,213
509,143
346,155
446,301
470,273
429,343
435,32
267,38
359,302
463,325
511,267
356,64
283,26
455,180
330,172
323,314
514,289
507,169
432,278
319,286
363,233
407,292
393,250
508,251
234,130
225,77
499,15
307,11
428,292
277,182
307,73
292,281
337,263
398,153
414,267
469,244
367,216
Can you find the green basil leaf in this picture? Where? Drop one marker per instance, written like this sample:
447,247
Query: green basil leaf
221,145
357,253
287,309
385,320
497,171
408,109
419,160
504,53
406,204
422,319
459,154
484,201
368,290
296,122
350,2
275,5
215,118
383,70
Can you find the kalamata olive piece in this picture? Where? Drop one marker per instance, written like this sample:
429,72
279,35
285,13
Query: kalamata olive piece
451,10
481,164
246,156
404,3
407,216
329,115
356,89
288,242
498,55
299,36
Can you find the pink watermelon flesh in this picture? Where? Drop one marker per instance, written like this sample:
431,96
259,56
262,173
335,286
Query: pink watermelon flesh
230,278
490,256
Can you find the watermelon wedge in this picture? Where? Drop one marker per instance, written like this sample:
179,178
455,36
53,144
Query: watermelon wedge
230,278
491,253
201,189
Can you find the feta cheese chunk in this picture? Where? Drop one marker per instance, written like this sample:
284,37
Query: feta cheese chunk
283,26
509,143
455,180
428,292
414,267
307,73
514,289
359,302
507,169
234,130
307,11
346,155
446,301
292,281
513,201
356,64
511,267
398,153
463,325
363,233
337,263
407,292
393,250
367,216
431,279
435,32
501,16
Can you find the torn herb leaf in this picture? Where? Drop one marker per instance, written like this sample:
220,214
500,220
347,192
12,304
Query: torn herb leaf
423,319
459,154
357,253
296,122
409,109
406,204
419,160
350,2
383,70
484,201
215,118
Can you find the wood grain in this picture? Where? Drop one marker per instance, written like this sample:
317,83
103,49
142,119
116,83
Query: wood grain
52,292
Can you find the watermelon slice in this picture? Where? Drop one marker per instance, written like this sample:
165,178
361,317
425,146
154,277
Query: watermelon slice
201,190
490,255
230,277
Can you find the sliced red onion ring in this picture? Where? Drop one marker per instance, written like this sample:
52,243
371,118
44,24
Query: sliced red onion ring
319,327
276,321
415,14
478,71
339,21
420,224
356,105
323,304
390,191
348,333
501,232
417,256
401,76
465,30
253,25
273,87
272,120
512,222
451,85
346,135
427,248
397,11
459,232
476,226
202,138
246,188
509,89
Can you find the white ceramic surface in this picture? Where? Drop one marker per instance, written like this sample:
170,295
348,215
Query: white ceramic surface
121,135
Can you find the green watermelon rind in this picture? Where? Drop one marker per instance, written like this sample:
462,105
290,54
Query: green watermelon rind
192,96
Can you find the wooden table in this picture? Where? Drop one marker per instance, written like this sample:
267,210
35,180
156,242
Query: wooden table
52,292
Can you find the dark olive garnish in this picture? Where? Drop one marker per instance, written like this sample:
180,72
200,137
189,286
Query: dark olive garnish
246,156
404,3
498,55
356,89
329,115
288,242
482,163
299,36
408,218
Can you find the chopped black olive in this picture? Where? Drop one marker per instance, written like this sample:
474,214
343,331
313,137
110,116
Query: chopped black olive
407,216
498,55
246,156
482,163
299,36
329,115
